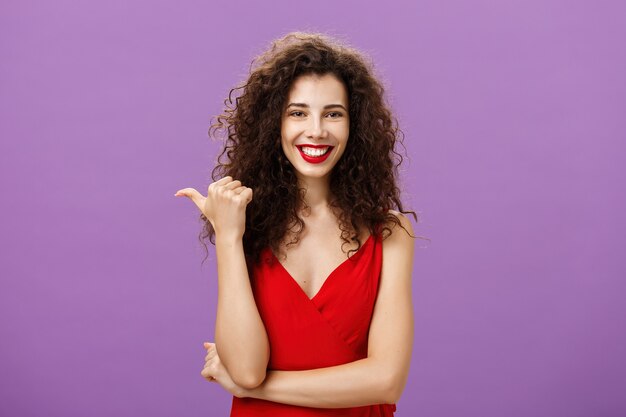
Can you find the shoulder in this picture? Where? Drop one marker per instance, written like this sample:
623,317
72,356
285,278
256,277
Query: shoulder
399,230
404,221
398,244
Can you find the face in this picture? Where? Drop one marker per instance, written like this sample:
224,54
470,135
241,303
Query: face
315,125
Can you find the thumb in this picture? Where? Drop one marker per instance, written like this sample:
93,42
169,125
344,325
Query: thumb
193,195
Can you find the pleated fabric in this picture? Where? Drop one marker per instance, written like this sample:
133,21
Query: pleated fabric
307,333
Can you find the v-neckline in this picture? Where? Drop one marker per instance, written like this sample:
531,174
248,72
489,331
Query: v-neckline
295,282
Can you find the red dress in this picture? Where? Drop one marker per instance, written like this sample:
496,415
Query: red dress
327,330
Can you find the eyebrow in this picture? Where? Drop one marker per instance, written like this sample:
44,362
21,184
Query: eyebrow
328,106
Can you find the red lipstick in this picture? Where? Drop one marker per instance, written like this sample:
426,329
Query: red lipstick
315,159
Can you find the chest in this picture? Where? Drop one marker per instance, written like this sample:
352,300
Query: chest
314,258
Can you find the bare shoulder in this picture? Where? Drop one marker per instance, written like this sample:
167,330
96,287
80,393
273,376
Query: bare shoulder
401,234
398,249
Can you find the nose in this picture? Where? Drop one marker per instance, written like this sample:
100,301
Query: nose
316,129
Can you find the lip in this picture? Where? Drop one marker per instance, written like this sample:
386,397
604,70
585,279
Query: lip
308,145
314,159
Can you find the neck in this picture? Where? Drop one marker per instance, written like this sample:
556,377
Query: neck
317,194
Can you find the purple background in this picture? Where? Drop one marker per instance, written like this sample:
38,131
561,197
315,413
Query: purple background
514,119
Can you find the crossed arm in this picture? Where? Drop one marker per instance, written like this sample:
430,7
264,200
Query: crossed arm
238,317
378,379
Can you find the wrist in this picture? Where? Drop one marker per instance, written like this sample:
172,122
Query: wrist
228,239
250,392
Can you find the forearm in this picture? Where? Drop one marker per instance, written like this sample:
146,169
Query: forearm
239,331
363,382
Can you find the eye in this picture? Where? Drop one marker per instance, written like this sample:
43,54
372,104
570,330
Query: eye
295,113
336,113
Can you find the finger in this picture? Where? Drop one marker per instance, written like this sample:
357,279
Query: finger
244,195
224,180
192,194
247,194
232,185
210,354
185,192
206,374
219,183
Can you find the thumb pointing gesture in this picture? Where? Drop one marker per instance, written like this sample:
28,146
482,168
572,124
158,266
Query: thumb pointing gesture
224,206
194,196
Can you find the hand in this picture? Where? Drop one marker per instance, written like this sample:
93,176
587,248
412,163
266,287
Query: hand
214,371
224,205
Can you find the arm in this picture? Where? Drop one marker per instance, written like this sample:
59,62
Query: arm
243,342
379,378
238,318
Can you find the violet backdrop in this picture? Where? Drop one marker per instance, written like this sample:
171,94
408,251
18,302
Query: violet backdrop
513,114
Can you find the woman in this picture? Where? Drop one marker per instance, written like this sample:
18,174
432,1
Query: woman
305,197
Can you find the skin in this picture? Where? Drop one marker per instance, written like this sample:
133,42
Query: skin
313,124
316,124
379,378
237,315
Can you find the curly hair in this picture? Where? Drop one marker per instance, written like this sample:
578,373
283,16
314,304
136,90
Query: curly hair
362,184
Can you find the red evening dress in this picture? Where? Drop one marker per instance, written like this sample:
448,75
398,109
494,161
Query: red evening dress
327,330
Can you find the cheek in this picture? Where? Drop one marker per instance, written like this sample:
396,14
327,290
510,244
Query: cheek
286,134
285,143
343,136
285,148
342,131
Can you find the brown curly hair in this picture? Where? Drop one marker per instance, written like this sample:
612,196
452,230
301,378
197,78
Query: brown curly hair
362,184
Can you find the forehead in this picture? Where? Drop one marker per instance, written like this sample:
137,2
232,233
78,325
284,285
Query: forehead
318,89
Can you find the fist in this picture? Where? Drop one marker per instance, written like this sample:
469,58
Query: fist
214,371
224,206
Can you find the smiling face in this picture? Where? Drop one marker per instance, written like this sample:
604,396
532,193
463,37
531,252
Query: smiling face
315,124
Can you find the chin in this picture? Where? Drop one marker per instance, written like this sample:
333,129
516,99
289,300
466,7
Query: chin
314,173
